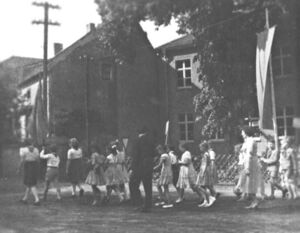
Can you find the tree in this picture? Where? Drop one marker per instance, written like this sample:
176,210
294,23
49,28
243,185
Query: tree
225,33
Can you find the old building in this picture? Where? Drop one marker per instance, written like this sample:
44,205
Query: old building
92,97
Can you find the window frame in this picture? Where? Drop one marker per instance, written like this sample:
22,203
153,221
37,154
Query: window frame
186,124
281,56
110,73
284,117
184,69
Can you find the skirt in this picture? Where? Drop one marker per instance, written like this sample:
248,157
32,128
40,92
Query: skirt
187,177
75,171
213,174
94,178
31,173
166,176
113,176
175,171
204,177
52,174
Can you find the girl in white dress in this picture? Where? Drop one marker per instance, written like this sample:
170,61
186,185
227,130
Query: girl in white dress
165,179
187,178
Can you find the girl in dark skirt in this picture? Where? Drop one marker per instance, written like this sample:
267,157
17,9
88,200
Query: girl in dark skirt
74,166
30,163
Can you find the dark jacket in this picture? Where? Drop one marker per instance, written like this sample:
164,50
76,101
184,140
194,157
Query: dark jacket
143,154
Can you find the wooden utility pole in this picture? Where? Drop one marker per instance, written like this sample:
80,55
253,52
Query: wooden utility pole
46,22
274,118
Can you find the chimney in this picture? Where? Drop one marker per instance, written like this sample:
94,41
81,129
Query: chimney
90,27
57,48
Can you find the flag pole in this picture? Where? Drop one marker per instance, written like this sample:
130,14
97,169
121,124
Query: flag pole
272,90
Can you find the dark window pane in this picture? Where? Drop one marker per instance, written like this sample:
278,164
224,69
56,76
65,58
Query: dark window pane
187,63
289,121
190,117
181,117
280,122
280,131
190,127
190,136
178,64
106,71
182,128
289,111
182,136
279,112
188,82
275,51
290,131
188,74
180,74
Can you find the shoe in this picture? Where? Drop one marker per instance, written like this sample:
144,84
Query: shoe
95,202
58,199
203,204
73,195
81,192
167,206
160,203
211,201
253,205
24,202
241,199
179,200
218,195
37,203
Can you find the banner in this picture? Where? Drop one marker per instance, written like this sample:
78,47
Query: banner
263,84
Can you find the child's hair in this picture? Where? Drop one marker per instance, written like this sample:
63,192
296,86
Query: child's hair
185,146
53,148
74,143
161,148
204,146
94,148
112,149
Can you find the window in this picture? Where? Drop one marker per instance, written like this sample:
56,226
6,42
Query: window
282,62
184,73
285,121
186,126
106,71
218,134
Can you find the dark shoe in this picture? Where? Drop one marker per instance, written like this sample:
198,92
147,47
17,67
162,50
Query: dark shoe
81,192
73,196
284,193
37,203
23,202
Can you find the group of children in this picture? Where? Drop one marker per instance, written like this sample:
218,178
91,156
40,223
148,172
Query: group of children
110,171
182,175
279,165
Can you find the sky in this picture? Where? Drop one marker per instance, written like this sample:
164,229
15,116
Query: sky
19,37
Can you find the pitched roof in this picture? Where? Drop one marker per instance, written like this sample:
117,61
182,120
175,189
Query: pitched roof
17,61
182,42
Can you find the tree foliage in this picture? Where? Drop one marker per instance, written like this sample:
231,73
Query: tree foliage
225,35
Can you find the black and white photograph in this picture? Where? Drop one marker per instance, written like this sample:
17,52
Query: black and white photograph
147,116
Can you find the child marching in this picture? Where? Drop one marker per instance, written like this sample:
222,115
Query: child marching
95,176
165,179
52,171
74,166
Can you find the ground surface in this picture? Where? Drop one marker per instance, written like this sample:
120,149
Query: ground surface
78,216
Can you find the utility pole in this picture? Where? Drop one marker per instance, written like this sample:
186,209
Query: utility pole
86,60
46,22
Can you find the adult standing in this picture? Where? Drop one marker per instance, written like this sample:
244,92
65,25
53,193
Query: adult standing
142,169
251,166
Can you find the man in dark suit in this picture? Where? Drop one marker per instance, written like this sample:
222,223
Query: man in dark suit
142,169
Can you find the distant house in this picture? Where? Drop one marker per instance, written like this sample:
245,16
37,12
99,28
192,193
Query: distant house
91,96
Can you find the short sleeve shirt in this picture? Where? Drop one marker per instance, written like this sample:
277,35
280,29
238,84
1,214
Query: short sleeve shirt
74,154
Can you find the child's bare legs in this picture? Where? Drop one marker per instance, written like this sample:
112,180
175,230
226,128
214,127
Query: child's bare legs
167,193
35,194
160,193
201,192
212,190
57,186
96,193
73,190
27,190
180,195
294,190
47,184
123,191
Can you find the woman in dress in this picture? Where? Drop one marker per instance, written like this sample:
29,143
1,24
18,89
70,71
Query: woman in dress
95,176
165,179
187,178
30,164
251,166
74,166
